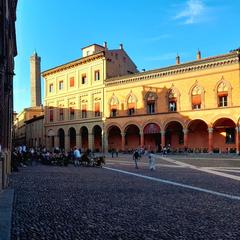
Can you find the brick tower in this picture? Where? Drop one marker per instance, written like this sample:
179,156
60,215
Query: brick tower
35,79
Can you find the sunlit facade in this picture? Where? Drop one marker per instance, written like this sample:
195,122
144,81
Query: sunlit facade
191,106
101,102
74,97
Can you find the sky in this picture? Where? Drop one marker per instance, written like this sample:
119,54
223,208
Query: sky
152,32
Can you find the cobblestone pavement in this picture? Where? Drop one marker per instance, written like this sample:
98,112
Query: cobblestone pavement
97,203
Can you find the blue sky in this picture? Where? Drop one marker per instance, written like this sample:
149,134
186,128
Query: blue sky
153,32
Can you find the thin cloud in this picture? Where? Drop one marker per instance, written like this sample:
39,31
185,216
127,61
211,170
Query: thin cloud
158,38
193,12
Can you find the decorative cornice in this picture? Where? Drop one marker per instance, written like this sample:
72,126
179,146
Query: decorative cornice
202,64
73,64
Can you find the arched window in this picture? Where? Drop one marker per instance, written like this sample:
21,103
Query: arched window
196,97
172,100
222,94
113,106
151,99
131,104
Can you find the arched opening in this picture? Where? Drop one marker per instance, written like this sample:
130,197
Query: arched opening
84,137
97,135
198,136
152,137
72,137
174,135
61,136
132,137
224,135
114,138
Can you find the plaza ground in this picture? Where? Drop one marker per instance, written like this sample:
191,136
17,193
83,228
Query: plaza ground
187,197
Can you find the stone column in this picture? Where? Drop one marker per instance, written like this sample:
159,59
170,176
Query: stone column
163,138
237,140
185,132
78,140
105,143
123,140
56,141
67,143
210,140
142,138
90,141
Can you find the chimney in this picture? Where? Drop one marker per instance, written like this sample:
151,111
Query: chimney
177,60
105,45
198,55
120,46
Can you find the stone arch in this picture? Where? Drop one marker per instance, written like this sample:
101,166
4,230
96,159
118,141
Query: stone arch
61,136
72,137
131,123
174,136
84,136
197,130
97,138
152,136
132,136
224,133
166,123
114,137
112,124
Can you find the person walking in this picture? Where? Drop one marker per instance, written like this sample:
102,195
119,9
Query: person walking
77,156
152,161
135,158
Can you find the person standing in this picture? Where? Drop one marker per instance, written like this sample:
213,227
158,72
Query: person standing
152,161
135,158
77,156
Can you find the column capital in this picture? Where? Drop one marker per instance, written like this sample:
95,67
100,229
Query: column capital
162,132
185,131
123,134
210,130
237,129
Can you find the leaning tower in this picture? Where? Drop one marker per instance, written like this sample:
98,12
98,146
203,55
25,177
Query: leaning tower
35,79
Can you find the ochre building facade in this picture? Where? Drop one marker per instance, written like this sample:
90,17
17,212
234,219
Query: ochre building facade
191,106
74,97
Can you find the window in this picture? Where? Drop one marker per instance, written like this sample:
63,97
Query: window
196,101
60,85
51,87
222,101
51,114
84,111
71,82
72,113
97,109
230,135
113,112
151,102
131,104
61,115
97,75
222,94
172,106
150,107
131,111
84,78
